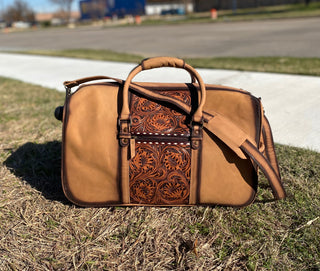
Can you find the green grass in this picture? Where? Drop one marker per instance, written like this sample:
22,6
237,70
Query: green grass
274,12
290,65
41,230
247,14
93,54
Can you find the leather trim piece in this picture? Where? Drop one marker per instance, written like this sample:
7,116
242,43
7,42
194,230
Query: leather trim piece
124,177
63,158
195,179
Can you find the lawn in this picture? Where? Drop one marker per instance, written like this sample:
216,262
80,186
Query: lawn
41,230
290,65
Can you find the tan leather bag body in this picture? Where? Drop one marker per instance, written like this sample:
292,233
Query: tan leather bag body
127,143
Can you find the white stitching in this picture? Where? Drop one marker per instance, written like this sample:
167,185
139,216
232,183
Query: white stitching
157,134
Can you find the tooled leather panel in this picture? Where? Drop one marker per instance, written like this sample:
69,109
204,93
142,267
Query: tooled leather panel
160,171
160,174
150,117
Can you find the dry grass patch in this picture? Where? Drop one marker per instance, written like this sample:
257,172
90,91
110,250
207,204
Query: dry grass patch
41,230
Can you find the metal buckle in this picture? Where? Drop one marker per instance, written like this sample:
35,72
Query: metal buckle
124,134
120,121
68,91
196,123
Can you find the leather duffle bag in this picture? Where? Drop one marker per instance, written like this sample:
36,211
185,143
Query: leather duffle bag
126,143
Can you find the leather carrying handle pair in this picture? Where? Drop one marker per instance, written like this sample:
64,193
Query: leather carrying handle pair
159,62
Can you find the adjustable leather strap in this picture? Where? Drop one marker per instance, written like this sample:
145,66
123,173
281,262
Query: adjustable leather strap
227,132
269,145
74,83
238,141
266,167
140,90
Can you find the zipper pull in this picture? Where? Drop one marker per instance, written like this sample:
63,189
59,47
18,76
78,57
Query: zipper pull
132,148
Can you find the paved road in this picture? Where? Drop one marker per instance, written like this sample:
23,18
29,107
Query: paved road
290,37
291,102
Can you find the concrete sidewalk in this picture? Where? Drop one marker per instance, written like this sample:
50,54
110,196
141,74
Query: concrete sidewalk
291,102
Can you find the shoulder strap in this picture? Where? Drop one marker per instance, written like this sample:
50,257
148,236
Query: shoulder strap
269,145
238,141
267,169
74,83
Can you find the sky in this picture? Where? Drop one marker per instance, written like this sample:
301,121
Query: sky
38,5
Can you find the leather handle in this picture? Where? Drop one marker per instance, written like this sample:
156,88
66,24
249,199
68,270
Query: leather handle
74,83
159,62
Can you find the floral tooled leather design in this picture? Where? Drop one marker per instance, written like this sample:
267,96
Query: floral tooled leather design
160,170
160,174
160,122
148,116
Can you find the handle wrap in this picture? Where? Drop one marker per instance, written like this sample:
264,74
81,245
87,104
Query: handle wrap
159,62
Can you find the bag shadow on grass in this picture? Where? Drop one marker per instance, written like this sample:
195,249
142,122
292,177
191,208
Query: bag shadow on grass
40,166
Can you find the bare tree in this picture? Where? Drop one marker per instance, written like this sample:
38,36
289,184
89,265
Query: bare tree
19,11
65,7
